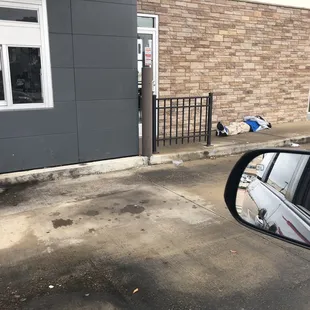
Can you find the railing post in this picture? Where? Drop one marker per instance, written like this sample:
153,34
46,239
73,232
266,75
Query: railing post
210,111
154,136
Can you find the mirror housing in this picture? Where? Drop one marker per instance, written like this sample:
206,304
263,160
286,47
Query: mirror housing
264,201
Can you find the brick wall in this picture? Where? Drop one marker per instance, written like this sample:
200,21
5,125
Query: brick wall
254,57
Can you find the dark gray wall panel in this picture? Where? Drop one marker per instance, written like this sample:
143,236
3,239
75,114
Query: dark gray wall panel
103,18
96,84
63,84
99,71
106,144
61,50
60,119
37,152
105,51
106,114
59,16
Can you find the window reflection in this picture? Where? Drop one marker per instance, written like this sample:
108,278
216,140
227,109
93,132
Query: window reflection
19,15
283,171
25,65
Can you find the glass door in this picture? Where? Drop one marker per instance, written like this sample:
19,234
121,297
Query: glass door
146,46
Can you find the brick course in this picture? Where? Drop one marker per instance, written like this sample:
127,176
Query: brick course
254,57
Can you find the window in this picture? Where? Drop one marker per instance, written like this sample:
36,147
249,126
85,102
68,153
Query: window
25,70
283,171
18,15
146,22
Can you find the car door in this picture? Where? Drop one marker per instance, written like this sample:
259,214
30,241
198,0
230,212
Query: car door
258,197
284,180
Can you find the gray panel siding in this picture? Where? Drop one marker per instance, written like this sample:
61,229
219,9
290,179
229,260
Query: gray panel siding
59,16
61,50
96,84
63,84
106,144
106,82
60,119
106,52
95,114
106,114
104,18
37,151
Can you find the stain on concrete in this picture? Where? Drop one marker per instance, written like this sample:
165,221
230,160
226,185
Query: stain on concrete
74,174
92,213
133,209
61,223
15,194
55,214
194,207
145,201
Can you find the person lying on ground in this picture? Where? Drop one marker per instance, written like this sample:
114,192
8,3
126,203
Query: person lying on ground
249,124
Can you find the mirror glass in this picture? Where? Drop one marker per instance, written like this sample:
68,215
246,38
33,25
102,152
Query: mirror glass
274,195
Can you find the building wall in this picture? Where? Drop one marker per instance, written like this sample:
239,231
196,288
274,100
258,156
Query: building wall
95,114
254,57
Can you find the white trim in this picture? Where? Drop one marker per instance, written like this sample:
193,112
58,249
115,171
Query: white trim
302,4
40,41
46,66
23,106
7,77
308,106
25,5
21,2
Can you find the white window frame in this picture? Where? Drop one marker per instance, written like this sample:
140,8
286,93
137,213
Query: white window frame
46,71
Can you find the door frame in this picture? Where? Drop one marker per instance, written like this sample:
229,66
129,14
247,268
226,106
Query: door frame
154,32
155,54
308,107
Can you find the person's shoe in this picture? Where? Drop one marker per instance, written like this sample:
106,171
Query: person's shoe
220,126
222,131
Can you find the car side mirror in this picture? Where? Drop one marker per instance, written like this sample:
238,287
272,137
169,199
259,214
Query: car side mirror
269,191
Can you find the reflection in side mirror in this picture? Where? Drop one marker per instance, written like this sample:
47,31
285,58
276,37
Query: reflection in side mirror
260,168
274,195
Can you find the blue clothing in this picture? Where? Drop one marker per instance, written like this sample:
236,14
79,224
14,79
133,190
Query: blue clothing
254,125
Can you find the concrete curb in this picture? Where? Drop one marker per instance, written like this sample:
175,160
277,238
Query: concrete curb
219,151
101,167
73,171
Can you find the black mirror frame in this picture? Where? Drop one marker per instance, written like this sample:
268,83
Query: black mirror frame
232,186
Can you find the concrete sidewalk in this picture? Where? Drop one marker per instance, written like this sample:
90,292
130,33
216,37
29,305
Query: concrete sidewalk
279,136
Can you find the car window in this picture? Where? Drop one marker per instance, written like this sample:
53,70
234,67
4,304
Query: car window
283,171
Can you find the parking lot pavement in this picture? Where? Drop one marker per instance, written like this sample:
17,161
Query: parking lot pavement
156,238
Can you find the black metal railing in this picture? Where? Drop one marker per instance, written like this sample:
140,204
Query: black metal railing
182,120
